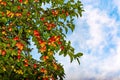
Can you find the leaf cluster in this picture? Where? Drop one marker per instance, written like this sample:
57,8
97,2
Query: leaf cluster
23,20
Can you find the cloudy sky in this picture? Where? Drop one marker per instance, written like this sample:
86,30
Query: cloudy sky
97,35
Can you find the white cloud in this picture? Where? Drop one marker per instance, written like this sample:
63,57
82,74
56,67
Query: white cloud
97,20
117,3
89,2
94,31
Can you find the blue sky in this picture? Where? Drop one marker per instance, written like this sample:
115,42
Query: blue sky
97,35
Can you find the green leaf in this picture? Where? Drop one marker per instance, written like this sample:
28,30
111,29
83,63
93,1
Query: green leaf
13,43
78,61
3,19
71,56
78,55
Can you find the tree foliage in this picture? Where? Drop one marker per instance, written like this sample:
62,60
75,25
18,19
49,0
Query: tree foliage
43,22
